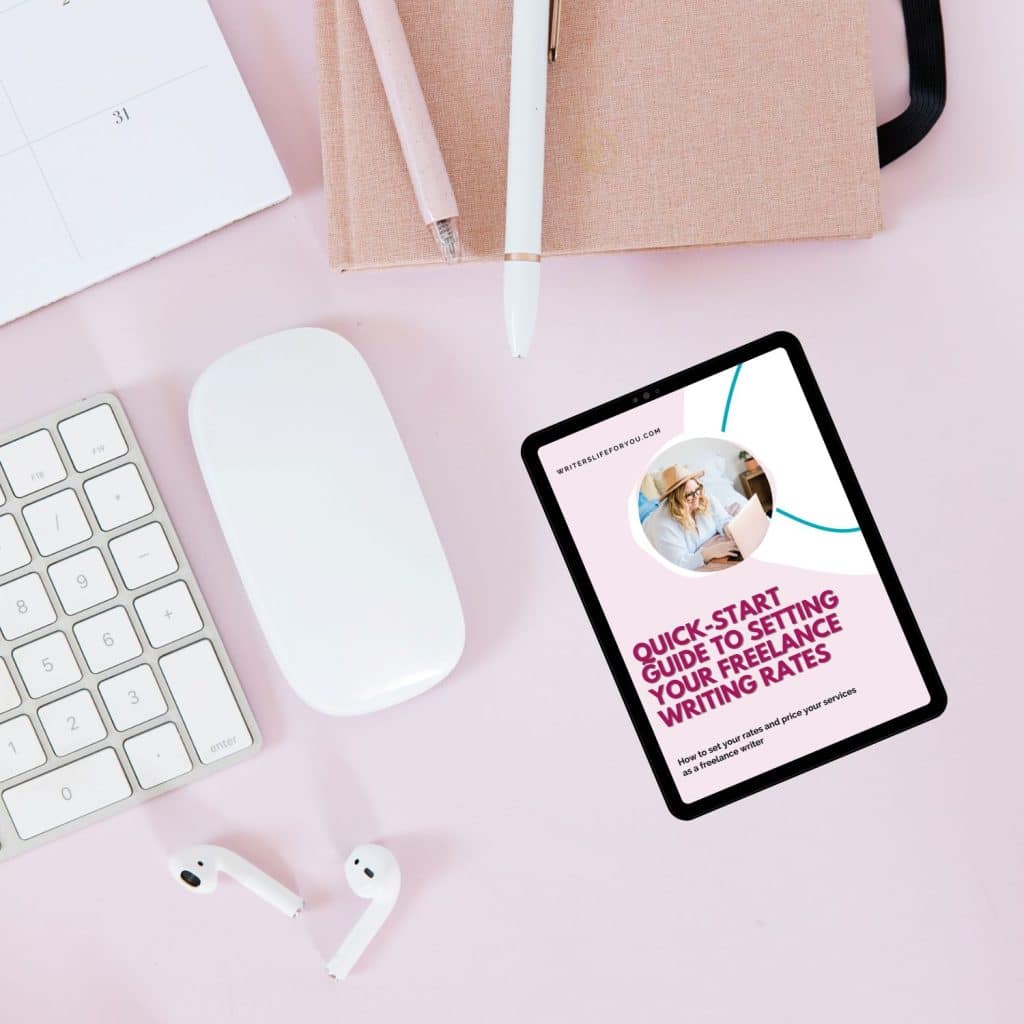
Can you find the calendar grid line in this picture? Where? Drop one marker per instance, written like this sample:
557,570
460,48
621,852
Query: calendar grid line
96,113
122,102
42,173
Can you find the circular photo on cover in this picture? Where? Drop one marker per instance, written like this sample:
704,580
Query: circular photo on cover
704,505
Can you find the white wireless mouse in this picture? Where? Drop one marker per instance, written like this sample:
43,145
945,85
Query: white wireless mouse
326,522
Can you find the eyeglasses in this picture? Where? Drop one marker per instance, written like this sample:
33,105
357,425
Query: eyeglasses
694,493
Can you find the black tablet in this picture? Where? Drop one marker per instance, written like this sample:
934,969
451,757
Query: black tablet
734,576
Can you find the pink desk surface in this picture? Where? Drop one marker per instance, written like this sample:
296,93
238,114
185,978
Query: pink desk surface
544,880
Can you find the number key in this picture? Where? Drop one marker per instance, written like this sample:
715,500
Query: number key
67,793
72,723
108,639
20,750
47,665
82,581
24,607
133,697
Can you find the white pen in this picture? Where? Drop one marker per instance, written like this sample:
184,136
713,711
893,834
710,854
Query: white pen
534,42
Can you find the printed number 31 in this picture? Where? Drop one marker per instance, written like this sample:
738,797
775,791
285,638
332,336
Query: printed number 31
121,115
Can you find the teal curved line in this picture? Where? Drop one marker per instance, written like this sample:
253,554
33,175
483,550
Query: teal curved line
728,398
818,526
781,512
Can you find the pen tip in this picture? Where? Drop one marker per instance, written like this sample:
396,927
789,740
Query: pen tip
446,232
522,293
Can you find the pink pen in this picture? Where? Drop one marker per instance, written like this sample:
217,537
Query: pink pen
412,120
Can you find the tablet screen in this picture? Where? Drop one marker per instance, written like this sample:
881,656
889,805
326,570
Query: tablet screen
734,576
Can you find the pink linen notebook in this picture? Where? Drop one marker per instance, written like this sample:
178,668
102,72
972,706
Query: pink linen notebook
671,123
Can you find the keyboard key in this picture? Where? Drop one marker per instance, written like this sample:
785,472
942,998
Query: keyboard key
13,552
158,755
93,438
72,723
47,665
168,614
24,607
57,523
67,793
20,749
133,697
118,497
9,696
143,556
204,698
32,463
82,581
108,640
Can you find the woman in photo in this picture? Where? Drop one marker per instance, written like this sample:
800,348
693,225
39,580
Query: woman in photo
690,527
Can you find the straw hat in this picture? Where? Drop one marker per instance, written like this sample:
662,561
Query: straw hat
674,477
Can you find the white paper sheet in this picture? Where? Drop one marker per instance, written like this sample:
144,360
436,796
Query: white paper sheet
125,132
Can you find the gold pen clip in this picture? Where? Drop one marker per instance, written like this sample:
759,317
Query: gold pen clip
555,18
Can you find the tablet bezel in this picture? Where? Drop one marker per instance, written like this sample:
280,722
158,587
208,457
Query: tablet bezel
627,689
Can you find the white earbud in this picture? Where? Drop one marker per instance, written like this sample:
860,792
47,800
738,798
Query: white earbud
373,873
199,868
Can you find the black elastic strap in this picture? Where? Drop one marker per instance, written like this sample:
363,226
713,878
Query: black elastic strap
926,52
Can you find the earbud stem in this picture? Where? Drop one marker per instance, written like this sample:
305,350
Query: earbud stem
358,939
260,883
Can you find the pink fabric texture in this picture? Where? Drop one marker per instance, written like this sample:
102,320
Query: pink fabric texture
673,123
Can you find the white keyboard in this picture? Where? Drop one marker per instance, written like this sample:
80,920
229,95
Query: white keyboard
114,683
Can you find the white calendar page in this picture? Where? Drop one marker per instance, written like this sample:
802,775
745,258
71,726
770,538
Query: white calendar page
125,131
